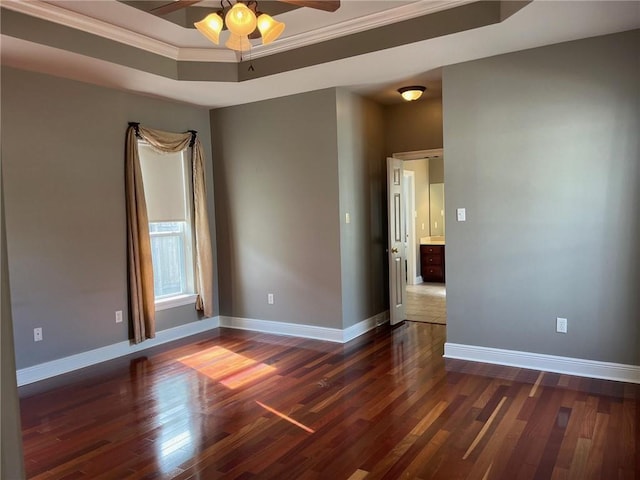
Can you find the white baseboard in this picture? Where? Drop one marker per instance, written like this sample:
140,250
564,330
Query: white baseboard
282,328
364,326
305,331
548,363
75,362
68,364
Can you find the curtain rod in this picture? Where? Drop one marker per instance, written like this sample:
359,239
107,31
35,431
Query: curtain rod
193,137
193,133
136,125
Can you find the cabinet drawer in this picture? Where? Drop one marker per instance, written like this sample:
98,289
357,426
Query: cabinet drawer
432,274
431,249
431,259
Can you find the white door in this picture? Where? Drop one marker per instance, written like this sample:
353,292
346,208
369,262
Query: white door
397,279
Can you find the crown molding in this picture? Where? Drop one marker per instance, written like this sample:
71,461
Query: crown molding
357,25
78,21
53,13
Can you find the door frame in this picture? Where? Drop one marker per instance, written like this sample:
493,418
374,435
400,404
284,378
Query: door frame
419,154
396,311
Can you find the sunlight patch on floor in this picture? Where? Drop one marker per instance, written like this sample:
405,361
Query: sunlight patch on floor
230,369
285,417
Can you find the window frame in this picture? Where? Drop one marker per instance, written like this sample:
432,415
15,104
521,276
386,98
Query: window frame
188,296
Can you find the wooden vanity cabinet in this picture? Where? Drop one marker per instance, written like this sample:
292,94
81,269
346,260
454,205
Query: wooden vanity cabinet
432,263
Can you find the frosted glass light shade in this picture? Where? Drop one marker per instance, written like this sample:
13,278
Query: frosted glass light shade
411,93
240,20
238,43
210,27
270,29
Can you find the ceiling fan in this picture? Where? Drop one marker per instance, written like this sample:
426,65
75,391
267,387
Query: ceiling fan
243,19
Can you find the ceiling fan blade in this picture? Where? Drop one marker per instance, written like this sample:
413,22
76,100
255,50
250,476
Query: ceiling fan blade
173,6
326,5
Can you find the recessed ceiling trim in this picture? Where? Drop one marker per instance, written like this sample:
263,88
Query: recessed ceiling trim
53,13
357,25
78,21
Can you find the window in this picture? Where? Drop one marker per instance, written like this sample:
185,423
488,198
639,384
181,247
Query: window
167,189
169,242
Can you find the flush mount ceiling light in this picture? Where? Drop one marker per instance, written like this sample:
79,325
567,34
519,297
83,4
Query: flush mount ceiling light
244,21
411,93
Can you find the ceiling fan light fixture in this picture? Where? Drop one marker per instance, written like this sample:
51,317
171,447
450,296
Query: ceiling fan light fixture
211,26
238,43
240,20
411,93
270,29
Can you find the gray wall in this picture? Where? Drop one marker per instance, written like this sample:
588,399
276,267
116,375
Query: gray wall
436,197
413,126
63,161
277,206
11,460
436,170
542,148
362,171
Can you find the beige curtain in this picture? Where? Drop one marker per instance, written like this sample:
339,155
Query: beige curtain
140,267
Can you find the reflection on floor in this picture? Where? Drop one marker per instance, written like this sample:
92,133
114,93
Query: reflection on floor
427,302
233,404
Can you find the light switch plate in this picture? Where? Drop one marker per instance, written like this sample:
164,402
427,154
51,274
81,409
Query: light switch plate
561,325
462,214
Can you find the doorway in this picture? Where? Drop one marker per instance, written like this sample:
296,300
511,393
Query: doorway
426,302
425,291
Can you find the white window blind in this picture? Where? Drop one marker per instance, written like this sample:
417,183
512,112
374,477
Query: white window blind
164,184
167,190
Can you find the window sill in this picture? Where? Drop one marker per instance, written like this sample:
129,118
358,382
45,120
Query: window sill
177,301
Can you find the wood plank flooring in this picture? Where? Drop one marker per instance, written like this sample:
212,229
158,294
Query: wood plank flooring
426,302
241,405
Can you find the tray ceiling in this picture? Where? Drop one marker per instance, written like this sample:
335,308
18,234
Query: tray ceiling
370,47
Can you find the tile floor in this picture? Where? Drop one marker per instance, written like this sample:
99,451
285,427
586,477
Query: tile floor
427,302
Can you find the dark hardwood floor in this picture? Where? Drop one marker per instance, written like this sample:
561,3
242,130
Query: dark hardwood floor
242,405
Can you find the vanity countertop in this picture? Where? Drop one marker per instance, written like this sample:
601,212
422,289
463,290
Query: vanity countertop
432,241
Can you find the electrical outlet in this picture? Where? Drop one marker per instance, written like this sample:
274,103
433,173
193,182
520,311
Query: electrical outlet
37,334
561,325
118,316
270,298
